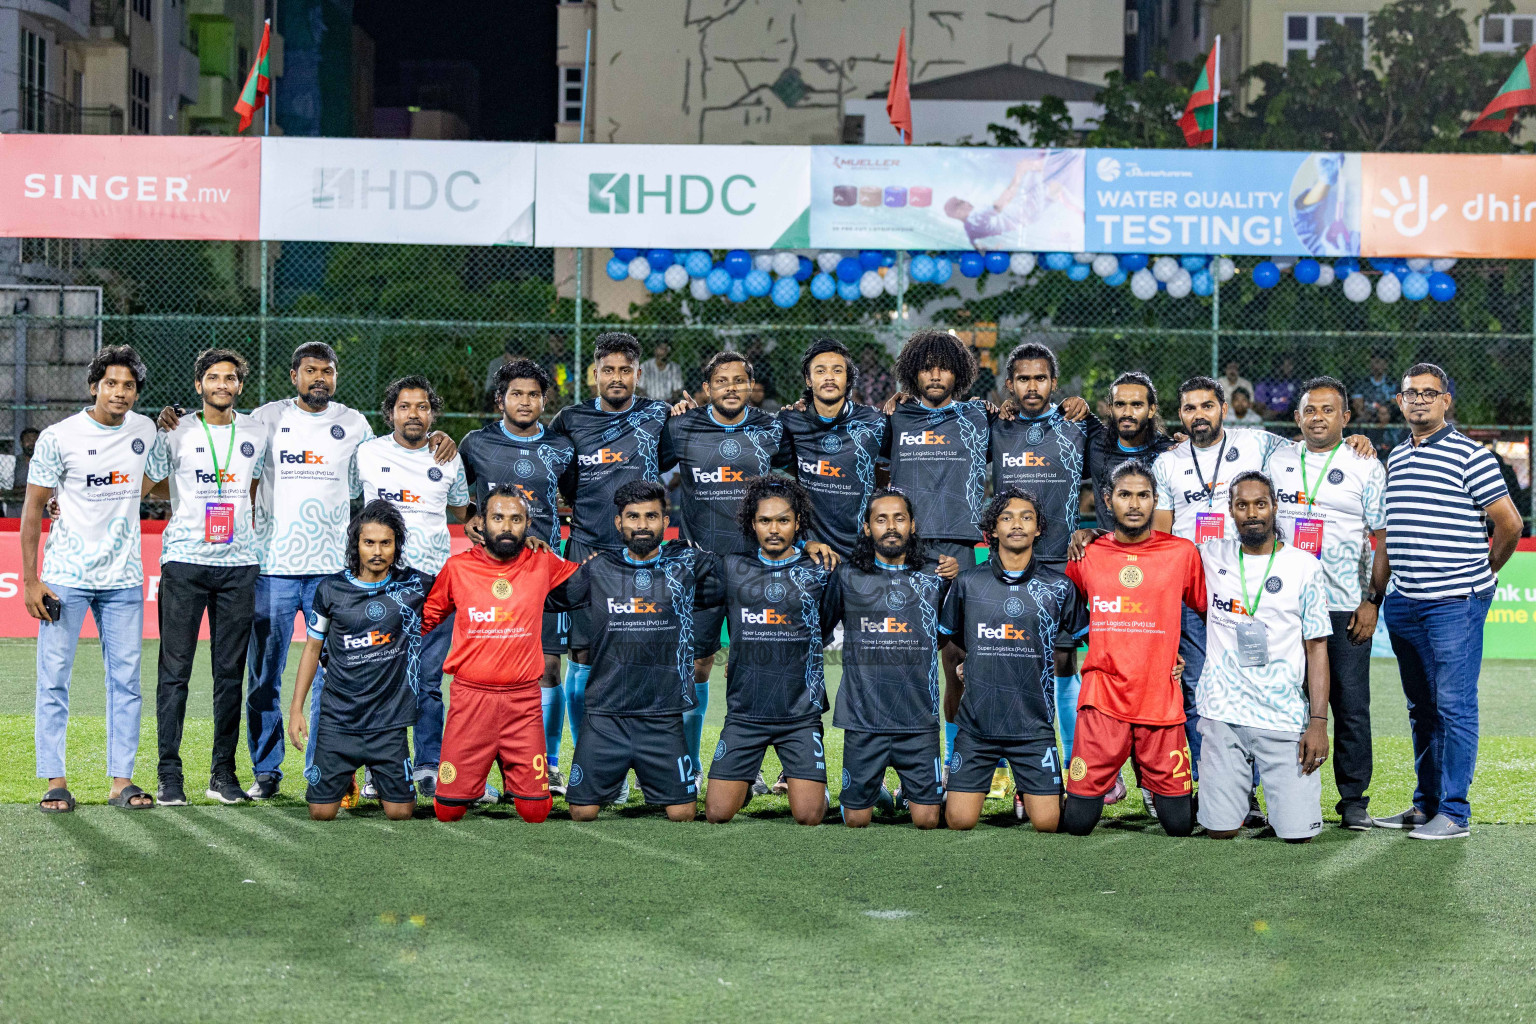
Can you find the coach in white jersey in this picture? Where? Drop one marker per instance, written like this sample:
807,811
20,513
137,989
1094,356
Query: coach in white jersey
1331,506
399,468
93,463
207,563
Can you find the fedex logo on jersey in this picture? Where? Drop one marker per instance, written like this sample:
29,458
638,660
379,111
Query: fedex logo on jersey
723,475
404,496
1232,604
766,617
601,457
112,479
1290,497
1028,460
886,625
489,615
1193,496
372,638
221,477
1006,631
820,467
921,438
304,458
1119,606
634,606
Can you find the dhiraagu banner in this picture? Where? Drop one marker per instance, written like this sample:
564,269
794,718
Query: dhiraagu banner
1509,631
724,197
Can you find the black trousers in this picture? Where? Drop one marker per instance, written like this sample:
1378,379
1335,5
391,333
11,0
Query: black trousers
1349,695
228,594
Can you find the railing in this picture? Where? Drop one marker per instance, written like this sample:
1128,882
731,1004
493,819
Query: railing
49,114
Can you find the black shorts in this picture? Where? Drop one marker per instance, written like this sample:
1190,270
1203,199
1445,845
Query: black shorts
915,756
739,754
962,551
338,756
1036,764
707,624
557,632
610,745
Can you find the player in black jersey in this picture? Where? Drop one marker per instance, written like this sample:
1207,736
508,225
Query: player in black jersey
777,602
888,597
517,452
832,446
643,604
366,622
1016,619
1134,433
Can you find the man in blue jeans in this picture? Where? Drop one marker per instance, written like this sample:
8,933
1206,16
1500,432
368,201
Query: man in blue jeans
1443,489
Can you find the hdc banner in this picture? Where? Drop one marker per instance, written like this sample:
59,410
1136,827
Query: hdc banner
747,197
1420,204
393,190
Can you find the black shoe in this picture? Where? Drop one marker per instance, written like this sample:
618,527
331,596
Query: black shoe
171,793
265,786
1356,819
226,790
1412,818
1255,818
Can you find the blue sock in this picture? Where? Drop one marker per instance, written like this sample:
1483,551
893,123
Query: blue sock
552,701
693,724
1067,688
950,728
576,696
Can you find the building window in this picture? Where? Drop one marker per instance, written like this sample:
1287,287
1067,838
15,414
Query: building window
1196,29
1505,33
140,101
34,82
570,95
141,8
1304,33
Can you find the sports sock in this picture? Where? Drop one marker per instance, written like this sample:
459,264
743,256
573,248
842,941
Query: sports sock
1177,814
552,703
1067,688
1080,814
576,696
449,812
950,728
532,811
693,724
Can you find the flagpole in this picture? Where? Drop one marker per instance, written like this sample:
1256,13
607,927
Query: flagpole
266,129
1215,262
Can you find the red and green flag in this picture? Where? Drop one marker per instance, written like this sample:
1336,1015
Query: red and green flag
1199,120
258,84
1499,114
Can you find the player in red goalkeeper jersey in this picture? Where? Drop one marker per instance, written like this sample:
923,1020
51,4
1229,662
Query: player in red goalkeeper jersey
494,713
1131,703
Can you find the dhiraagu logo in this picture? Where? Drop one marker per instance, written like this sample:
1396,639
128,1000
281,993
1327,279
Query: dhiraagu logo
687,194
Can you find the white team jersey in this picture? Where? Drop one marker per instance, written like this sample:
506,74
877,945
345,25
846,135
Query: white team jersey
1351,501
1179,471
411,480
308,480
185,457
97,473
1293,604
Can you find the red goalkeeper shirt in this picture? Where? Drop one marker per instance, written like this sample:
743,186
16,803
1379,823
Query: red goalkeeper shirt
497,630
1134,594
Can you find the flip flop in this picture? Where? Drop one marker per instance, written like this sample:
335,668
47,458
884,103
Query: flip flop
59,794
125,799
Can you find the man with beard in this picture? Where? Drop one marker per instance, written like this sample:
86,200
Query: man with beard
643,603
1264,691
496,662
1136,583
1136,434
888,597
399,468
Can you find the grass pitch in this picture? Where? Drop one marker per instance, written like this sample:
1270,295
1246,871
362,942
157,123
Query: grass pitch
213,913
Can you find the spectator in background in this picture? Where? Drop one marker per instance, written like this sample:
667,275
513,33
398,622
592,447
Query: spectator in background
557,363
1378,390
24,460
660,377
756,351
1234,379
986,381
1273,396
874,382
508,353
1239,410
1386,435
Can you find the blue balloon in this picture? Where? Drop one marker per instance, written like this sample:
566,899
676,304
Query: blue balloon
1343,268
1058,260
807,269
1266,274
659,259
785,292
823,287
1401,270
617,269
758,283
997,262
656,283
848,290
971,264
887,258
625,254
738,292
870,259
1133,261
1306,271
921,268
942,269
697,263
1193,263
737,263
1415,287
1385,264
1442,286
1116,279
1201,282
849,270
1079,271
718,281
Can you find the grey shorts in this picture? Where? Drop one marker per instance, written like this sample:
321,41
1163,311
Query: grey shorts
1228,756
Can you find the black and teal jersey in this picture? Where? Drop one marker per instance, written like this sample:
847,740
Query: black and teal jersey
939,458
1045,456
834,460
715,461
533,465
612,448
1105,454
777,616
891,643
372,634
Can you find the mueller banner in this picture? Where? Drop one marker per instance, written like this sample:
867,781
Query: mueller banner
747,197
1421,204
129,186
421,192
1231,203
933,197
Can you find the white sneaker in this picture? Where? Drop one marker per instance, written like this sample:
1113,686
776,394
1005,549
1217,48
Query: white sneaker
1146,801
623,797
490,796
370,791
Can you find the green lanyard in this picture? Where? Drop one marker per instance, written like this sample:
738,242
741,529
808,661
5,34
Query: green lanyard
1242,574
229,456
1306,488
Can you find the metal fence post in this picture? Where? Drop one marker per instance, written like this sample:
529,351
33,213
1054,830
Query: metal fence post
576,374
261,371
19,387
1215,316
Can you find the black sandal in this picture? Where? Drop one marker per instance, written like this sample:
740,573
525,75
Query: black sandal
125,799
59,795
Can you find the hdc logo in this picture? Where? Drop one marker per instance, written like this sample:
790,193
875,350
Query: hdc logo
611,193
634,606
304,458
886,625
111,479
490,614
1029,460
723,475
221,477
601,457
820,468
926,437
402,495
766,617
372,638
1117,606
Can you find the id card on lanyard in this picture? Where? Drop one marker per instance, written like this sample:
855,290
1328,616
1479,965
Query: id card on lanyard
1209,525
1308,532
1252,637
219,516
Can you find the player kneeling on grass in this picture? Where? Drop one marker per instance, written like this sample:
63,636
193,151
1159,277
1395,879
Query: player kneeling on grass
1263,695
495,593
1010,616
888,596
366,624
642,604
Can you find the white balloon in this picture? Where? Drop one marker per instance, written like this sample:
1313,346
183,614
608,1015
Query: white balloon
828,259
1284,262
676,277
1444,264
1021,263
1389,288
1357,287
1179,284
1105,264
1143,284
891,282
1083,257
1324,275
639,268
763,261
1164,267
1418,264
698,289
785,263
870,285
1225,269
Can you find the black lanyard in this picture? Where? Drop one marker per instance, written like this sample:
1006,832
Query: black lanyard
1210,488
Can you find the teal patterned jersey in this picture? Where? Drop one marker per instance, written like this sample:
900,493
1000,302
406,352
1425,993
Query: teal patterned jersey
1349,495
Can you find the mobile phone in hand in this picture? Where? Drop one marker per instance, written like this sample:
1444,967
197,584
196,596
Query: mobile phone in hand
52,606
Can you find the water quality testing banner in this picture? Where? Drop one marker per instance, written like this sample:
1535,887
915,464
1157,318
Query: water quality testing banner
417,191
724,197
930,197
1233,203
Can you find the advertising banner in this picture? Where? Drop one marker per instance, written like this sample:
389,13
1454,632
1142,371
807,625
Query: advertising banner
747,197
1508,631
932,197
129,186
421,192
1232,204
1449,205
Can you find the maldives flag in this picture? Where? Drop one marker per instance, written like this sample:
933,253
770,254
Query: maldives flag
1499,114
1199,120
898,98
257,84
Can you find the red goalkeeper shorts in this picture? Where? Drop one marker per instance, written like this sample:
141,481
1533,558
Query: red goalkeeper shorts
489,724
1102,743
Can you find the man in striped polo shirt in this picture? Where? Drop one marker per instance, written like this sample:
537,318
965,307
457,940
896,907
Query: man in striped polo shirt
1443,488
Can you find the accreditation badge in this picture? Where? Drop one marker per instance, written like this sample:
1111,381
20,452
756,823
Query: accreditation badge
1308,536
1210,526
219,522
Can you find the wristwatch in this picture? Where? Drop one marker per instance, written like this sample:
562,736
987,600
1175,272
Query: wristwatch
1377,598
